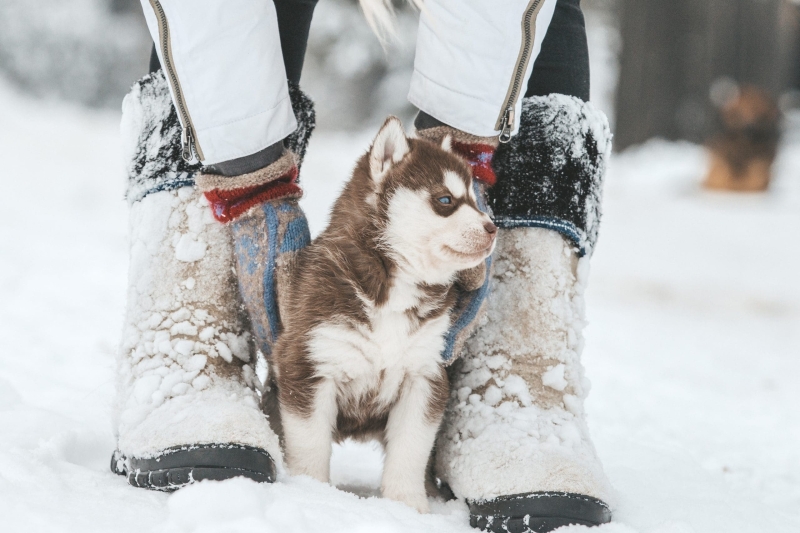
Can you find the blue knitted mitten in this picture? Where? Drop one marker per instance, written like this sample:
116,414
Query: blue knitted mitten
267,226
266,241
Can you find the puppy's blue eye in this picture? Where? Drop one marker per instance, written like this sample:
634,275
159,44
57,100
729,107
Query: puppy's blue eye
445,200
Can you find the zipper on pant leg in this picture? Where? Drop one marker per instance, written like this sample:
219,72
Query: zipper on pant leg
190,147
505,122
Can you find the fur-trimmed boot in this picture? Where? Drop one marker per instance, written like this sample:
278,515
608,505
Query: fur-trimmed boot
187,403
515,443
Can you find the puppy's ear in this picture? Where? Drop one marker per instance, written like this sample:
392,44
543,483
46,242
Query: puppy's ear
447,143
389,148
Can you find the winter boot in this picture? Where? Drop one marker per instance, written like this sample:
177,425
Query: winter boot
514,441
187,402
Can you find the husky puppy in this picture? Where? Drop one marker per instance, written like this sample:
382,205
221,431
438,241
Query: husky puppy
368,306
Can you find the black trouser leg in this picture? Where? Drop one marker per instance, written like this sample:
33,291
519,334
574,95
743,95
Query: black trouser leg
155,64
563,63
294,21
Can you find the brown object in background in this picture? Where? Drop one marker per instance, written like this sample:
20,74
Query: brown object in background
744,149
673,52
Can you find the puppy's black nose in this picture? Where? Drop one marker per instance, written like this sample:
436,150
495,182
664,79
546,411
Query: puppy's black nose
490,228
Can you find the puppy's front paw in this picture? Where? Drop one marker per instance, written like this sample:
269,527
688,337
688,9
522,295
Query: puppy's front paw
317,470
414,499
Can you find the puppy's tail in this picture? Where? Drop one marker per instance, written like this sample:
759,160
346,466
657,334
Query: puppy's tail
380,16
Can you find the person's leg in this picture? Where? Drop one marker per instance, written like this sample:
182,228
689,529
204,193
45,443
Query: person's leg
186,406
514,442
155,64
562,66
294,22
186,402
516,424
556,101
473,59
234,186
470,68
259,202
223,63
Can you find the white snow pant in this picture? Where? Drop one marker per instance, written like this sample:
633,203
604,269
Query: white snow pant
223,61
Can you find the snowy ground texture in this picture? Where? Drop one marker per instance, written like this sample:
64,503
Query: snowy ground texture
694,305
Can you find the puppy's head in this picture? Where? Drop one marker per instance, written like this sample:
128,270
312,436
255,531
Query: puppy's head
424,199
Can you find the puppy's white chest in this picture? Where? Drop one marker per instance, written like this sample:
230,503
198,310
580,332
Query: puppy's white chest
391,346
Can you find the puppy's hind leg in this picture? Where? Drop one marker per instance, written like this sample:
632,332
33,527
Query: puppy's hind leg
309,437
410,434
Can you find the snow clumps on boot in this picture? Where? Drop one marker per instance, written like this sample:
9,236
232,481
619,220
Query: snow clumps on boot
186,376
515,425
551,174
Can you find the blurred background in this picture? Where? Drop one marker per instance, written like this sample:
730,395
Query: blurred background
721,72
693,345
660,69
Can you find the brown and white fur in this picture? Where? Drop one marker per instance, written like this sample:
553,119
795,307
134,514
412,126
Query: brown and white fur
368,306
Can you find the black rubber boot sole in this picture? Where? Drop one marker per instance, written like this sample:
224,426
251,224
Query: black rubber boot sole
181,465
537,512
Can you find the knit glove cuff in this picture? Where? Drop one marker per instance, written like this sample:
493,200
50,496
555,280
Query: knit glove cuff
478,151
230,197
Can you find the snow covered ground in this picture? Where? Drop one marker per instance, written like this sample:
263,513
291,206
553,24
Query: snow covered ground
692,349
